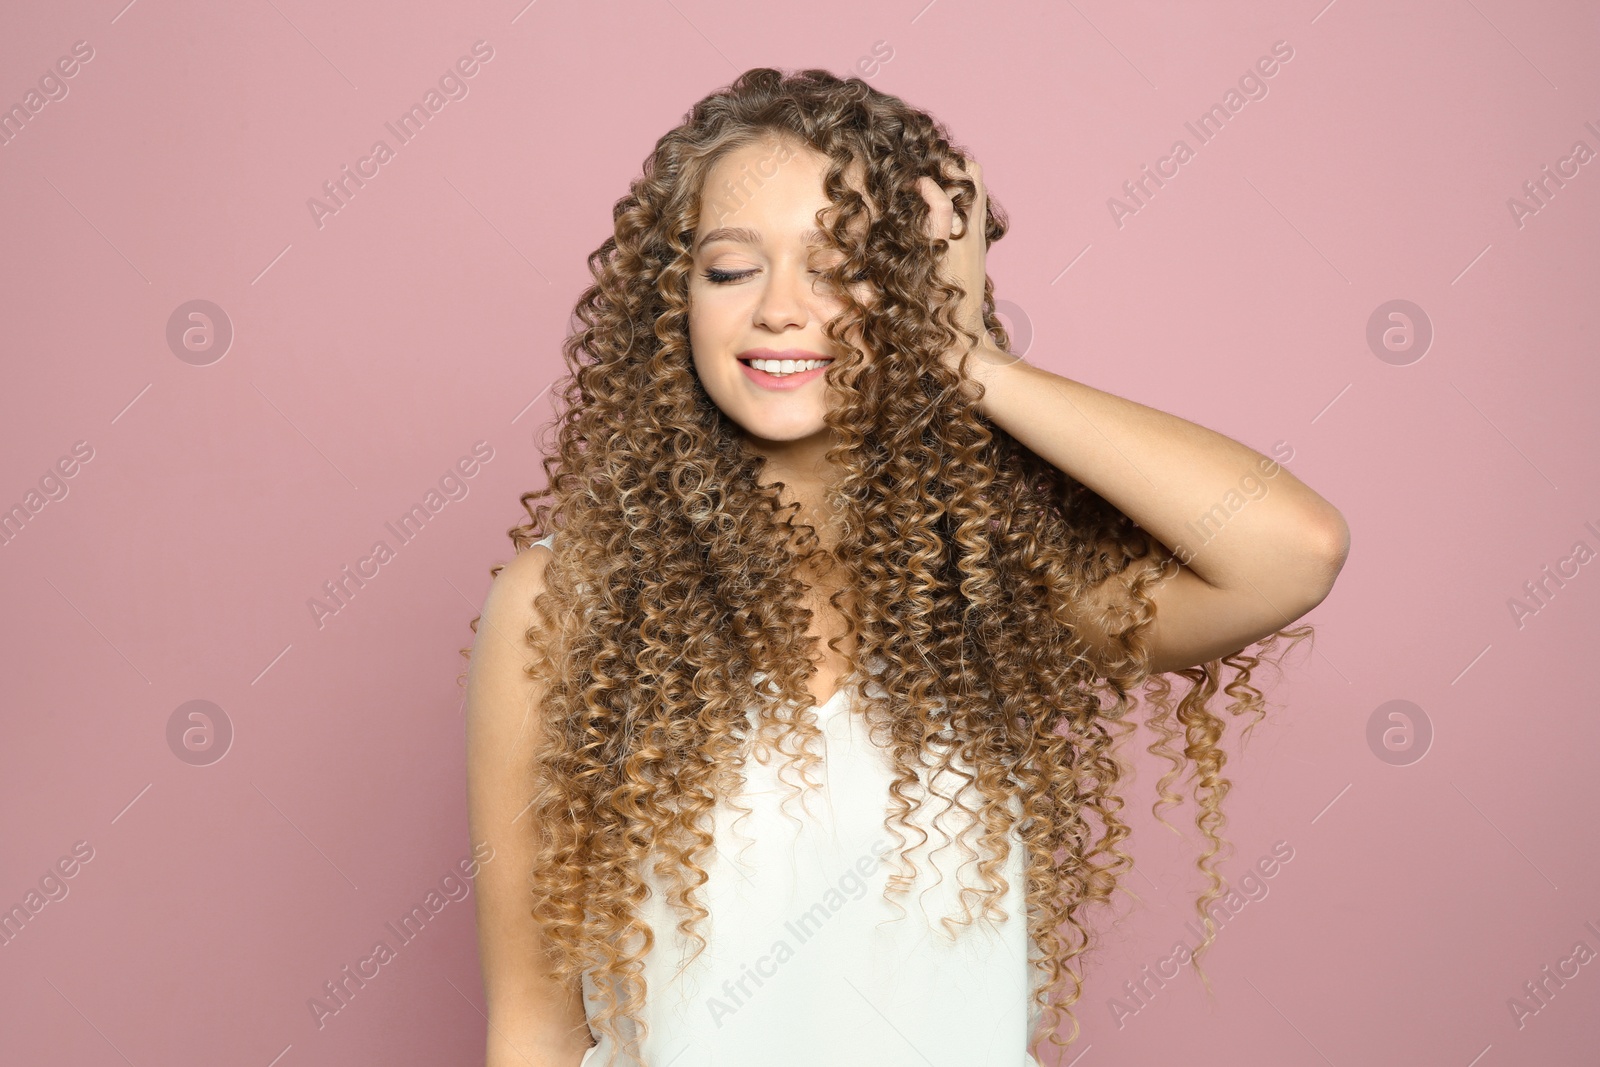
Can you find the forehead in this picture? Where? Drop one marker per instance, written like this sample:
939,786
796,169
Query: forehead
769,191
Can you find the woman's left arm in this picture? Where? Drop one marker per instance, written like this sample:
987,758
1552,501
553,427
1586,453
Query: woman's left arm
1257,547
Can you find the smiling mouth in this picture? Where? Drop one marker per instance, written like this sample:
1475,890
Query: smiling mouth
779,368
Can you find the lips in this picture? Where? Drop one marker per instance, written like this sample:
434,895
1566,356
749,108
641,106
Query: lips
781,383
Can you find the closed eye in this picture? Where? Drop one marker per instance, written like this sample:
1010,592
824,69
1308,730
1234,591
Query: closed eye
724,277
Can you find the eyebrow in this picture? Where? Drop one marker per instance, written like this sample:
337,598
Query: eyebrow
745,235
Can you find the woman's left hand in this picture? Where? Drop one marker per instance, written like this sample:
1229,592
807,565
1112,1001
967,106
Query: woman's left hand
964,262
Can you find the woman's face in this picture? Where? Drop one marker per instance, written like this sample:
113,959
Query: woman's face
755,292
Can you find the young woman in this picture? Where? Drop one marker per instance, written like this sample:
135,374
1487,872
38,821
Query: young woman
792,721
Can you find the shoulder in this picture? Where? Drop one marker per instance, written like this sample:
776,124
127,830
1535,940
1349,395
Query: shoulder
525,570
497,682
509,604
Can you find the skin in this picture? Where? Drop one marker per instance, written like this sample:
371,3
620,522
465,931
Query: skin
1275,559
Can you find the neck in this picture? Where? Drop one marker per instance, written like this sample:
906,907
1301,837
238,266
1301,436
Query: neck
806,475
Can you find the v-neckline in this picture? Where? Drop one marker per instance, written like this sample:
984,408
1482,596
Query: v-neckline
837,693
846,682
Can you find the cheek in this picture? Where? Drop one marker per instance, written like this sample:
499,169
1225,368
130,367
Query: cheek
702,316
710,312
709,336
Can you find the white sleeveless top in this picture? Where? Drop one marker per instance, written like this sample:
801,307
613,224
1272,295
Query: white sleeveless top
805,962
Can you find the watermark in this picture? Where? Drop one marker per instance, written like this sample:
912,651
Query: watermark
1539,993
452,486
1224,911
735,193
199,732
1399,332
1541,190
849,886
869,65
53,889
52,488
339,992
1553,578
53,89
1209,524
1252,85
1399,732
199,332
1019,327
338,192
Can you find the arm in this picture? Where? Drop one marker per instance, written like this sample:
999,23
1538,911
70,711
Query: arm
532,1023
1259,562
1257,547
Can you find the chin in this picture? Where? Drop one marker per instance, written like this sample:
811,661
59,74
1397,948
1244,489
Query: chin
785,432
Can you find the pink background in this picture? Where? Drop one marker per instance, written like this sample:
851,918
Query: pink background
371,353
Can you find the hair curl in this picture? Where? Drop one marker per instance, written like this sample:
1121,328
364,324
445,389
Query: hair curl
972,557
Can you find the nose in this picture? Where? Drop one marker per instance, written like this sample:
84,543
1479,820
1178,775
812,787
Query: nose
785,299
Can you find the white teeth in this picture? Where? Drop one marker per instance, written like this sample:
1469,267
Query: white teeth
788,366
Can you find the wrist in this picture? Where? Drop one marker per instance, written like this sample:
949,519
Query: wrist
986,361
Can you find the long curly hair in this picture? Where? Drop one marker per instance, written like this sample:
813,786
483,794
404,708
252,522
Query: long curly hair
676,572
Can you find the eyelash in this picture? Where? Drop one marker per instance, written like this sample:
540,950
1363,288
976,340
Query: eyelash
723,277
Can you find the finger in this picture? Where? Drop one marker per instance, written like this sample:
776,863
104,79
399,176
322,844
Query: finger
965,224
940,209
970,170
980,209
